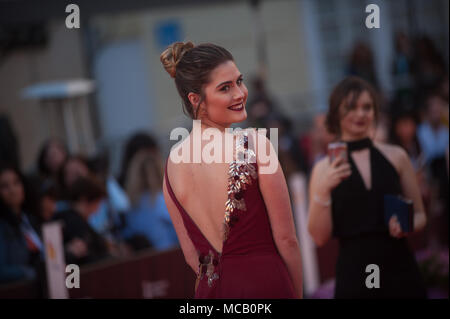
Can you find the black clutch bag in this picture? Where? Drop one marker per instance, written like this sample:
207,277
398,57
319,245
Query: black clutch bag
402,208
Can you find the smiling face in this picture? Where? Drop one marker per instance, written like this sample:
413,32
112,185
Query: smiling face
356,122
225,97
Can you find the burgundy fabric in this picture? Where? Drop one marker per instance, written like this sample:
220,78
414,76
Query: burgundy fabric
249,265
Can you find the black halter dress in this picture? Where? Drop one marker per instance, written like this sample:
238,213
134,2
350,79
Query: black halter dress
364,239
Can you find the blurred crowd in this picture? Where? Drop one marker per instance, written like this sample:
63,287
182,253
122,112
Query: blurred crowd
106,216
102,217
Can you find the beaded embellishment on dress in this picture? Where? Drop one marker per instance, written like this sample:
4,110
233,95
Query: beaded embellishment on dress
207,264
241,174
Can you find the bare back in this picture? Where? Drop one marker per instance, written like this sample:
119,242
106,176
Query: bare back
201,189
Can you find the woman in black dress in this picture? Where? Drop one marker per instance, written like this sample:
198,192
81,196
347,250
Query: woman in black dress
347,201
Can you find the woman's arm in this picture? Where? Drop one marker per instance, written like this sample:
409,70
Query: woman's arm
188,248
410,188
276,197
320,223
324,178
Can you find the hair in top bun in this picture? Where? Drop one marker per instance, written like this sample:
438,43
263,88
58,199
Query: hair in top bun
172,56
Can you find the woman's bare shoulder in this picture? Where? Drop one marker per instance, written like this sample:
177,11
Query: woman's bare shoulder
180,153
177,166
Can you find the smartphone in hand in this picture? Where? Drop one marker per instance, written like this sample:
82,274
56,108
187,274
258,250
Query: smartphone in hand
337,149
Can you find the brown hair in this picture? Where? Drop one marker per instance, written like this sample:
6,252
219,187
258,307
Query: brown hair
88,189
191,66
353,86
145,174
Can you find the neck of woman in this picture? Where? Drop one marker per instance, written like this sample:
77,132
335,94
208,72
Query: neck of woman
351,137
205,124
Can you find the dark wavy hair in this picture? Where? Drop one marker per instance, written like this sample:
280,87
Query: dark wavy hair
42,165
86,188
64,188
6,213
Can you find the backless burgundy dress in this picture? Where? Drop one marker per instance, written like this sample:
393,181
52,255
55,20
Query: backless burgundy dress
249,265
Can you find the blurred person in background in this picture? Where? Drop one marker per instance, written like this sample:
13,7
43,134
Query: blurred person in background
347,200
148,215
109,220
403,133
433,133
47,201
320,138
403,74
361,63
434,141
430,66
9,146
81,242
51,158
73,167
21,248
443,90
259,111
104,221
261,106
289,153
250,250
43,195
137,142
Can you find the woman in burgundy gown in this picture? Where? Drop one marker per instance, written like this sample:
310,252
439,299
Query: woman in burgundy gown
234,221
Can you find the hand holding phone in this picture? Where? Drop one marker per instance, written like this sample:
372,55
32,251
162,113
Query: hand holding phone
338,169
337,149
